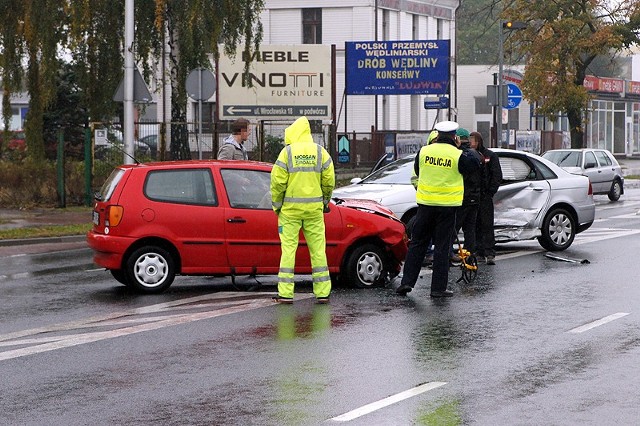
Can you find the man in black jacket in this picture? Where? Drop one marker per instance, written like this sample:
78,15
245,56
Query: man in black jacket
466,218
491,176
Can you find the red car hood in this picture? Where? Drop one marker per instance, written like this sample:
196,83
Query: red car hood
359,204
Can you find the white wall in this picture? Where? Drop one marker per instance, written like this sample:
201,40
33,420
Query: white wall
355,20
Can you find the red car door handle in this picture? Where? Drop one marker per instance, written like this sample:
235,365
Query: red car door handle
236,220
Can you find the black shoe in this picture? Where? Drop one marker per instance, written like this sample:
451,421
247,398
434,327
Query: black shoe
491,260
282,300
322,300
446,293
403,290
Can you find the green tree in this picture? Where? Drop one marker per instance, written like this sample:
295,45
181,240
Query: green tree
561,41
477,32
66,112
31,32
39,32
187,31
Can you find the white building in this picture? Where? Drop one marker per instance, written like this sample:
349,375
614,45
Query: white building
337,21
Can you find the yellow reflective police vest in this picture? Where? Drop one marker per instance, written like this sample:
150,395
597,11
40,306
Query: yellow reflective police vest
439,182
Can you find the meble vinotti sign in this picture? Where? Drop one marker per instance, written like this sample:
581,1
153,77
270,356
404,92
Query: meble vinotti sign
284,82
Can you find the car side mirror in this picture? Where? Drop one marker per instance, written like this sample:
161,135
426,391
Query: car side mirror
355,180
589,165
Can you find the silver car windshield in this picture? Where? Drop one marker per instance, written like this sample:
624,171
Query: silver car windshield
398,172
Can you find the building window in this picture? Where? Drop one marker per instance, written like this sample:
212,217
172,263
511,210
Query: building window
482,105
312,26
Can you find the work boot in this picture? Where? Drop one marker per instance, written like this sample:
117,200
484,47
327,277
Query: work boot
491,260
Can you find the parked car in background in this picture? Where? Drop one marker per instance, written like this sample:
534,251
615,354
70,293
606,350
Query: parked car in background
536,199
17,140
151,141
599,165
154,221
113,147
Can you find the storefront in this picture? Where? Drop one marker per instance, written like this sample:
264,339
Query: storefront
613,119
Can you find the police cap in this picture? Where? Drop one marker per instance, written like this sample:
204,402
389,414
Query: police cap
446,126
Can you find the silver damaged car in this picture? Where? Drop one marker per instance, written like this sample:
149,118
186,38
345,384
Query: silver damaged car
536,198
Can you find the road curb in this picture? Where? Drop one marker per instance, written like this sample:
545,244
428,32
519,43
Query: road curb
27,241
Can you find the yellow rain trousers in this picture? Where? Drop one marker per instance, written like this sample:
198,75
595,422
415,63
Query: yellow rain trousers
302,180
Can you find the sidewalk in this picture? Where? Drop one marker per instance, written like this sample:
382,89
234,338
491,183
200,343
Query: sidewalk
21,218
630,166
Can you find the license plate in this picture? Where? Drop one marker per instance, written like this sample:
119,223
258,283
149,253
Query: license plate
96,218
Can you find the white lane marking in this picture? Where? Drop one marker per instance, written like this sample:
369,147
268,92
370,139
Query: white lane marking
137,311
369,408
79,339
227,303
598,323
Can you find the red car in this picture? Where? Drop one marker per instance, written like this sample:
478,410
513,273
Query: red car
158,220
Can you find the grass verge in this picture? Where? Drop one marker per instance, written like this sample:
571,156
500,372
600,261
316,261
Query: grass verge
44,231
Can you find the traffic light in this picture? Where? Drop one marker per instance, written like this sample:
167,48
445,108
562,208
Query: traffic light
514,25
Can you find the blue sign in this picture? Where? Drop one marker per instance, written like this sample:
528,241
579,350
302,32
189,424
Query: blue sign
343,150
441,103
412,67
514,96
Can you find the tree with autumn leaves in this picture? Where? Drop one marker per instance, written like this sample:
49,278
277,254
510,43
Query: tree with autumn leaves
561,40
38,36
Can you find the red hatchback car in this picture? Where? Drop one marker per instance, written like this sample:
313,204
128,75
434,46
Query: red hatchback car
158,220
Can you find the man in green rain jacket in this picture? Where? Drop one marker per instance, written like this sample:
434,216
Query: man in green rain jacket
302,180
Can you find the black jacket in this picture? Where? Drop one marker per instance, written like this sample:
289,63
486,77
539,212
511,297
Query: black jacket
491,172
469,161
472,179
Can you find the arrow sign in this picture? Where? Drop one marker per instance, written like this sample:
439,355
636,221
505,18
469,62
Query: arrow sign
232,110
514,96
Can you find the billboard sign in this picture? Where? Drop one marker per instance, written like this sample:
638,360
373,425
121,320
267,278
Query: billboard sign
412,67
287,81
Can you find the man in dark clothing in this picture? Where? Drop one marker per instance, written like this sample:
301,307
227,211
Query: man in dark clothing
467,214
491,176
440,167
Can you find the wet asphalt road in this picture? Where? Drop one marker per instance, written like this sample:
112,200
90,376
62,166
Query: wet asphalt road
532,341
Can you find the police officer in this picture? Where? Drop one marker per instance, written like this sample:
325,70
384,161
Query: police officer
440,167
302,180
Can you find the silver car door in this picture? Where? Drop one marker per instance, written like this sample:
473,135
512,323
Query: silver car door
521,198
607,170
593,171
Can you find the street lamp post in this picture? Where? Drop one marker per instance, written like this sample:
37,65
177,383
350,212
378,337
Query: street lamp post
509,26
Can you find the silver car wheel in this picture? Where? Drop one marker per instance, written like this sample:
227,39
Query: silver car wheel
558,230
365,267
151,270
369,268
616,191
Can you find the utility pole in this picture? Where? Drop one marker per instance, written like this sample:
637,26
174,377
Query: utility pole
128,81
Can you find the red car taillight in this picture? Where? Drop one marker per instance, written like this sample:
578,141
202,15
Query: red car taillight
590,188
114,215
